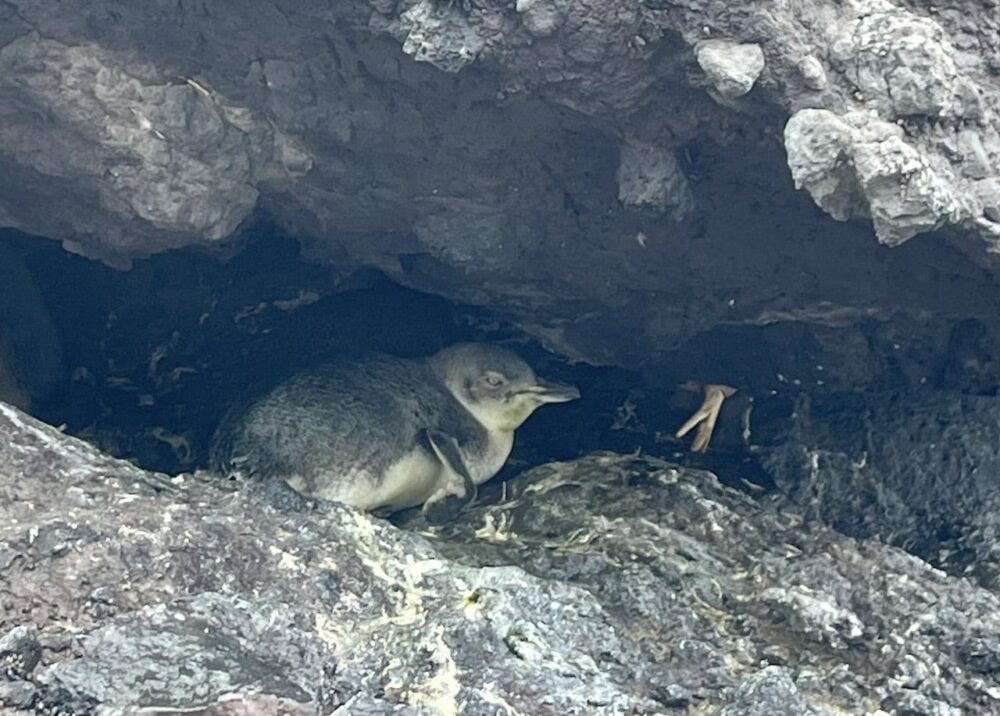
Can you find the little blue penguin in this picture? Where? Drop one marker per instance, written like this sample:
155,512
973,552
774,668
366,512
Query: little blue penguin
384,433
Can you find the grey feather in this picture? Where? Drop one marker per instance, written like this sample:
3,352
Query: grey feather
364,415
342,430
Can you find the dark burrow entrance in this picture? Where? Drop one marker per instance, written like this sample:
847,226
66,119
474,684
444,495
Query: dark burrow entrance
156,354
152,357
144,363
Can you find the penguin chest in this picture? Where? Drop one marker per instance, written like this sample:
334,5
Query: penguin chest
491,457
408,482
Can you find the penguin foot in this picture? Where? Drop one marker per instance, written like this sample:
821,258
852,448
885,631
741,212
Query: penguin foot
445,504
706,416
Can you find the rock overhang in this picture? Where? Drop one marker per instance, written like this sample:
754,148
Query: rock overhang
551,169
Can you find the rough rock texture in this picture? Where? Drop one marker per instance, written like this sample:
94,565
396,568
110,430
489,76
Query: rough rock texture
587,169
732,68
916,469
609,585
859,165
617,180
933,77
650,177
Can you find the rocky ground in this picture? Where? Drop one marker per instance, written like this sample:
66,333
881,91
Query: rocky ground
605,585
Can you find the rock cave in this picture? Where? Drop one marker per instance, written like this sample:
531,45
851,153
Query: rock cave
797,200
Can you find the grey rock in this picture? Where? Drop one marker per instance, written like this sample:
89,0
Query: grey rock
731,67
17,694
901,63
7,556
913,469
160,153
19,651
366,705
606,585
906,701
857,165
813,73
149,133
56,538
904,68
988,194
976,163
819,146
410,629
195,651
772,692
664,524
649,177
541,17
911,672
439,34
816,615
673,696
470,234
101,602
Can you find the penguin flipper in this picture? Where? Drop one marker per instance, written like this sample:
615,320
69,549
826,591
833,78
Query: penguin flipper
457,488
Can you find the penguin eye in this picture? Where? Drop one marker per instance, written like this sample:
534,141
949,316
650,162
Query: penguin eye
494,380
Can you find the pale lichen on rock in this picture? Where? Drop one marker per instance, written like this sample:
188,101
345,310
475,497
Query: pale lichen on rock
857,165
903,65
731,67
440,34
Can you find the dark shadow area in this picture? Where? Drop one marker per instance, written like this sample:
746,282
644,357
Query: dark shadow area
155,355
144,363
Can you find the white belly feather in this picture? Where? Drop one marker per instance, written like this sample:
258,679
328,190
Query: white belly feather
409,481
488,465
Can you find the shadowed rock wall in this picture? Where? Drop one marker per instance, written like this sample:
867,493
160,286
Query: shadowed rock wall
613,177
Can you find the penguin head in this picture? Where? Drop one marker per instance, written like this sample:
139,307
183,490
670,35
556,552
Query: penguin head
497,386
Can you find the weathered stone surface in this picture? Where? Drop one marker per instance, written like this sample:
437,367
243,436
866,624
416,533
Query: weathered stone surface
563,163
902,64
858,165
731,67
915,468
439,34
201,649
540,17
158,154
215,594
769,691
19,651
813,73
988,192
920,73
650,177
17,695
485,151
606,585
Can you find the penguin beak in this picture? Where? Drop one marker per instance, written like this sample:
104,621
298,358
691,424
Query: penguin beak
548,392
